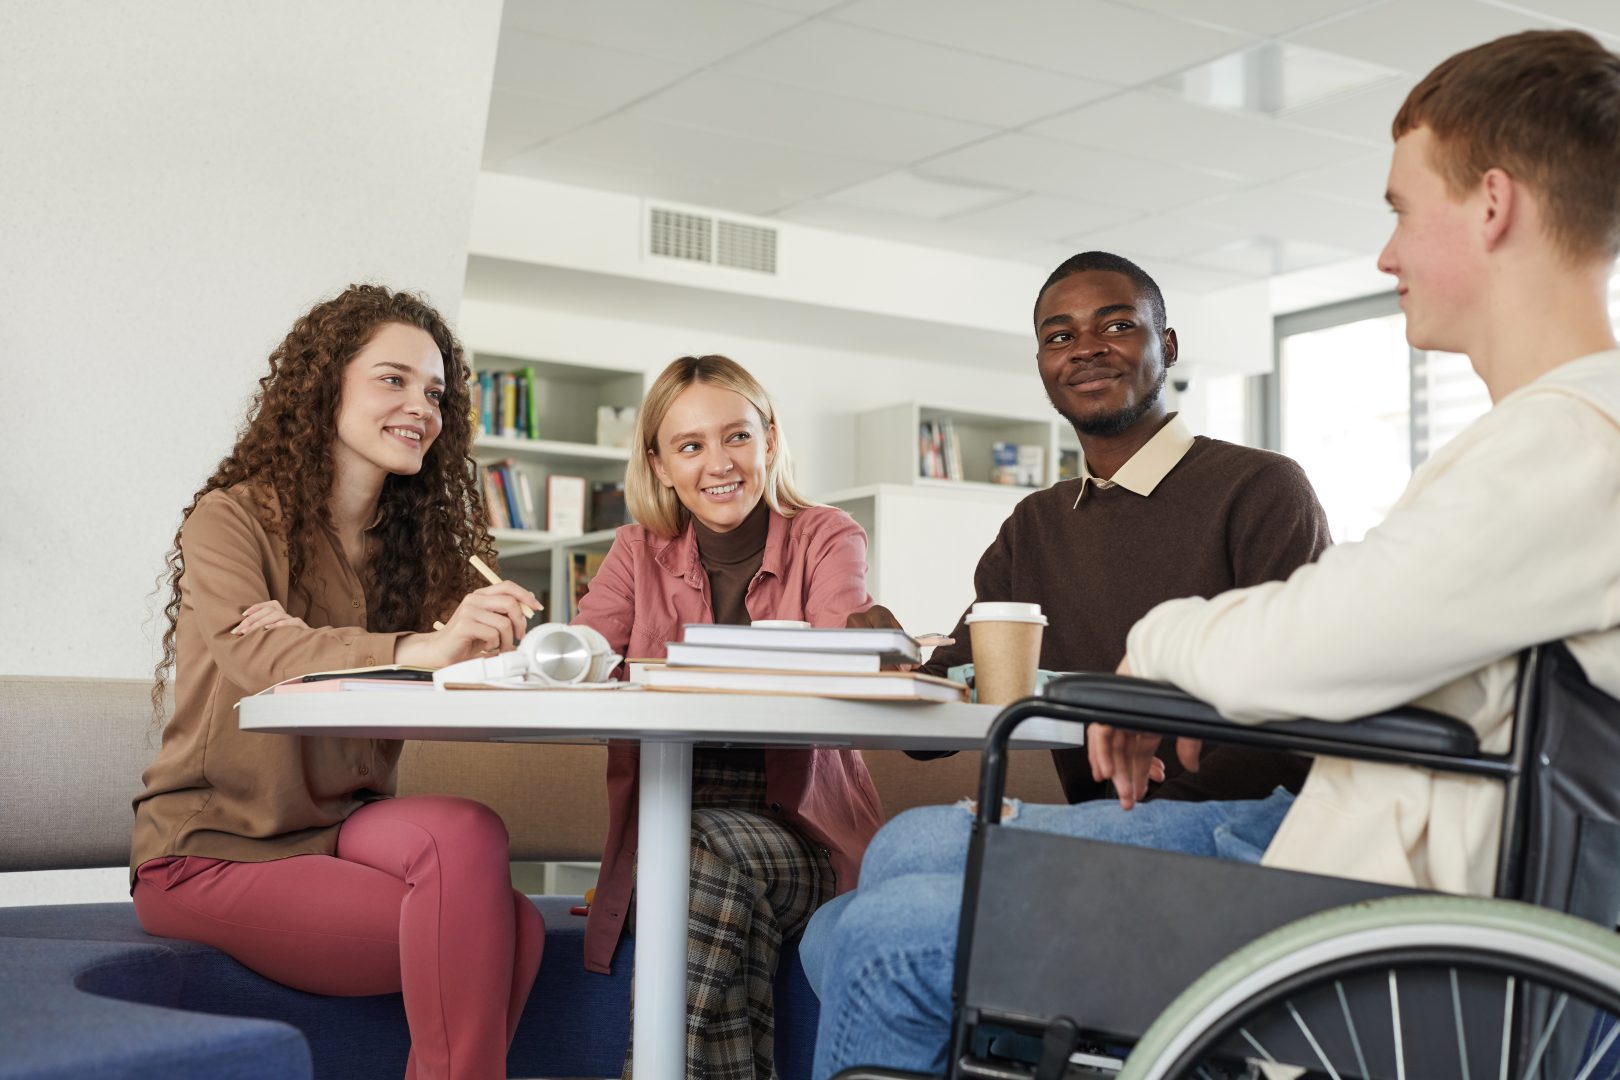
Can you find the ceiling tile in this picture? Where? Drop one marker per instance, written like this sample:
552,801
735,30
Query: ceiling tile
1360,181
916,75
1161,128
1364,115
1263,256
917,196
1107,42
583,75
1283,213
1048,256
1598,16
1162,236
1176,277
1251,16
1043,217
642,143
1414,37
802,118
910,230
717,193
803,7
518,121
1076,172
691,32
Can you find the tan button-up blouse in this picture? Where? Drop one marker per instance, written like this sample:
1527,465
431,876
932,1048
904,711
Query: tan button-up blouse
215,790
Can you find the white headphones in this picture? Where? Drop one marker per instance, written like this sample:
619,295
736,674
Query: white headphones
554,654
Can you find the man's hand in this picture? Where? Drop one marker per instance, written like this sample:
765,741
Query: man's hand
1128,758
877,617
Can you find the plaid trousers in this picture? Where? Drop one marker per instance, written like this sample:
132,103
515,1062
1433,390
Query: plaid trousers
754,882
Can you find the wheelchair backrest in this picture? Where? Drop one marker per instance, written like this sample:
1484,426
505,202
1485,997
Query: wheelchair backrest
1563,851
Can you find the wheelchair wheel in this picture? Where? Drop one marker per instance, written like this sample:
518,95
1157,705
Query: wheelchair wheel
1407,988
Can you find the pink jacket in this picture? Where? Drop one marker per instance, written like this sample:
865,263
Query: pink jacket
814,569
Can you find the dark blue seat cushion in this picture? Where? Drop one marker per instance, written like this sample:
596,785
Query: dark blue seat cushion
575,1023
107,1009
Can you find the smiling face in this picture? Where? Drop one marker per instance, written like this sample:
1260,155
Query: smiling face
388,414
713,451
1434,248
1101,357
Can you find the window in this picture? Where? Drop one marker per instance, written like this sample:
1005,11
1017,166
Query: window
1359,409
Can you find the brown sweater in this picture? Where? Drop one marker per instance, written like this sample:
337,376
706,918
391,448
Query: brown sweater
215,790
1223,517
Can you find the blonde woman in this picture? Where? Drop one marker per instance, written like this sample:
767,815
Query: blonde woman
722,535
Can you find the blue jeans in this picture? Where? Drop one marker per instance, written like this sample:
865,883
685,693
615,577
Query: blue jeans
881,957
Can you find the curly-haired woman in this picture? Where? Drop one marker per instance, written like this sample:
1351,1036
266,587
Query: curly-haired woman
332,536
723,536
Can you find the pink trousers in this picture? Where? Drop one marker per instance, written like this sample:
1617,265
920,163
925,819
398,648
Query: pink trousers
418,899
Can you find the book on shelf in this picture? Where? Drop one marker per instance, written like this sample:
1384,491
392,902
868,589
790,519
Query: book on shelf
1020,465
939,450
889,646
565,505
608,509
582,568
686,654
509,403
875,686
494,500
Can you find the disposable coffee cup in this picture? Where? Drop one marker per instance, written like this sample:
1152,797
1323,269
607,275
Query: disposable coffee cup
1006,642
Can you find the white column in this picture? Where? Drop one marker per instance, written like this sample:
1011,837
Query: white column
662,888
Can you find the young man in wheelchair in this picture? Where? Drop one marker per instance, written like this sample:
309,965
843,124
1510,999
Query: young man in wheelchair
1504,186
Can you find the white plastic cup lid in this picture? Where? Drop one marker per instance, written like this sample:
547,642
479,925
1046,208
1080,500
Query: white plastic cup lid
1005,611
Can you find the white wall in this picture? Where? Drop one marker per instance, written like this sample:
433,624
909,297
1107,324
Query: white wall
179,179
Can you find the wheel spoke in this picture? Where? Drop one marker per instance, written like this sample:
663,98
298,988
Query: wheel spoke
1395,1021
1456,1012
1299,1021
1254,1043
1350,1024
1597,1055
1507,1026
1546,1037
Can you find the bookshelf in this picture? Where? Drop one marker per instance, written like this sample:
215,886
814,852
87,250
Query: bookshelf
890,445
565,402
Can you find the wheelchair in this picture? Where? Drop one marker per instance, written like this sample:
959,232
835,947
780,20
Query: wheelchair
1290,974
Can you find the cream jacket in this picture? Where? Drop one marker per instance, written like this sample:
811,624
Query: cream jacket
1509,536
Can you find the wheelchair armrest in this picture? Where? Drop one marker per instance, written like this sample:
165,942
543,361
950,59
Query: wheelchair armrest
1406,729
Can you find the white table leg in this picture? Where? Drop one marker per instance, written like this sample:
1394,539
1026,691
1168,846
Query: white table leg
662,887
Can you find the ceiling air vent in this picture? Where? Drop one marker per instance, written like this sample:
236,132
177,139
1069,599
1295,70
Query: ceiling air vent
746,247
676,234
682,236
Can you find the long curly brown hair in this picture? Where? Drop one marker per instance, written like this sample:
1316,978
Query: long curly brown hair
428,524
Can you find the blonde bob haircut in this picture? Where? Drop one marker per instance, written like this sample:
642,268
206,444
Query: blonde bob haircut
656,507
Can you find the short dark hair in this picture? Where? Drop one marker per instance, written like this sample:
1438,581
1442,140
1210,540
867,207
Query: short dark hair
1545,106
1113,264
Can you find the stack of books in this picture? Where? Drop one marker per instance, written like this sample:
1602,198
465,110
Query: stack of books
939,451
840,663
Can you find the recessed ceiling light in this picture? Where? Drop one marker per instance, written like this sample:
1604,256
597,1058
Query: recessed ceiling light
1274,79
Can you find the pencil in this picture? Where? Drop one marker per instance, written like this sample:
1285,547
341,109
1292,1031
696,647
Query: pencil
491,577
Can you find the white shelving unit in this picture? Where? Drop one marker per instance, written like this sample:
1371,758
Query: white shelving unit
568,396
888,452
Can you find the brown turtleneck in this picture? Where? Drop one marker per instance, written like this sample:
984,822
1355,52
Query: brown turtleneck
731,559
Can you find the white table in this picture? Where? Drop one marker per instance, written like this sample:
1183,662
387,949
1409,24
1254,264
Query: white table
667,725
